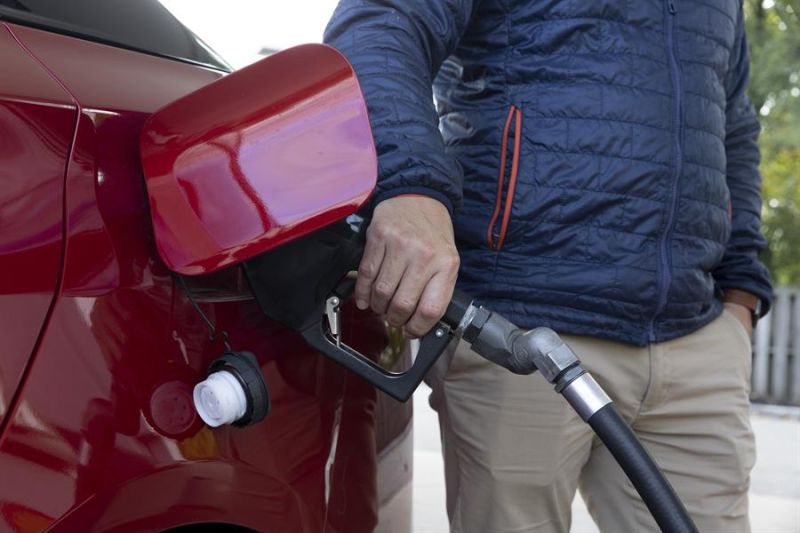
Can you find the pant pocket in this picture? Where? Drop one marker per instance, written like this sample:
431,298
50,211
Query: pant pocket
737,325
737,330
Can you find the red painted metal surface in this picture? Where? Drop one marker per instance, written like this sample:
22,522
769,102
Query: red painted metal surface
101,437
251,161
36,122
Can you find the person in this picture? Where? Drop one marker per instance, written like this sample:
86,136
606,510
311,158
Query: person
590,167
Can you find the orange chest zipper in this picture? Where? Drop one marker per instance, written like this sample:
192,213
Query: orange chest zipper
495,242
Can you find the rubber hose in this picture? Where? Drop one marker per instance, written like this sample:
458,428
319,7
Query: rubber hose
656,492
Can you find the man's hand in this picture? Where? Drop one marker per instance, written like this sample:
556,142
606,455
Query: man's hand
410,263
742,314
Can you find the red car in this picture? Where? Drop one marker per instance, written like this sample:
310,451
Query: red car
103,344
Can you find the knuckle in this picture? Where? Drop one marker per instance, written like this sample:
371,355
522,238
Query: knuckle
416,329
424,252
404,306
397,320
376,230
404,242
451,261
387,231
368,270
431,311
383,289
394,320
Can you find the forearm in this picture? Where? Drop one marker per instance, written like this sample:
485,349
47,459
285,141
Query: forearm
396,48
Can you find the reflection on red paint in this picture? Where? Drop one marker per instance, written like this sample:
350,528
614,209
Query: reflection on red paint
36,122
245,164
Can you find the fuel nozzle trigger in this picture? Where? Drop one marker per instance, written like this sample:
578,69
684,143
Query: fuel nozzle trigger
325,336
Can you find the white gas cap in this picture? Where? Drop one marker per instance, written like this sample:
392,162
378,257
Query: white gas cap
220,399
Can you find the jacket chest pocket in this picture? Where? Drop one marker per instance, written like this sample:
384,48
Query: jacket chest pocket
498,225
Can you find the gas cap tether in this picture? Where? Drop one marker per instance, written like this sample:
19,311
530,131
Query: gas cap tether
233,393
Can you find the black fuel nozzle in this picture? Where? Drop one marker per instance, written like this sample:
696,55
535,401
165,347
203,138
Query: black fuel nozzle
303,285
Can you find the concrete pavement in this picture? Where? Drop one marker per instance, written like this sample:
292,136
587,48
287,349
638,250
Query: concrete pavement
774,494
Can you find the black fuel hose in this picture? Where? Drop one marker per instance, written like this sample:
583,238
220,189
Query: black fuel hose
656,492
495,338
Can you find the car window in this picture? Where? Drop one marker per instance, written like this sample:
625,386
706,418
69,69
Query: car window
142,25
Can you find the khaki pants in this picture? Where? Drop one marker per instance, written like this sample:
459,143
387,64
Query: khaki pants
515,452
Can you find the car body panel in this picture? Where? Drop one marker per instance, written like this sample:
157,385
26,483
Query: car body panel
104,77
104,436
37,119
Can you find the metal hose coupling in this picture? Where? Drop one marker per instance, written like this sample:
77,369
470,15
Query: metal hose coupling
523,352
544,349
559,365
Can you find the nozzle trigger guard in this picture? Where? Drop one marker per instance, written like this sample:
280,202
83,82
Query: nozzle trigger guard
398,385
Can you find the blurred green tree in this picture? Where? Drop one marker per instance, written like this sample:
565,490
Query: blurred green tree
773,30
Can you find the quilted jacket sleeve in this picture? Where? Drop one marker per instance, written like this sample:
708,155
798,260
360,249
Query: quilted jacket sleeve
740,267
396,48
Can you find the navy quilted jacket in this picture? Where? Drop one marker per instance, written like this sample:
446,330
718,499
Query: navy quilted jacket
599,157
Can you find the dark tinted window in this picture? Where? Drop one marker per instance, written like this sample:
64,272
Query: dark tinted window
143,25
